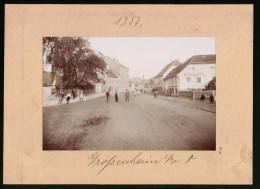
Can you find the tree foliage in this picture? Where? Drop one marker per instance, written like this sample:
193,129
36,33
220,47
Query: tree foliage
73,60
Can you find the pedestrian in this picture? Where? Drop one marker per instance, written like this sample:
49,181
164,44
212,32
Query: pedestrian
74,94
211,99
202,97
108,96
135,92
156,93
127,95
68,97
81,96
61,97
116,96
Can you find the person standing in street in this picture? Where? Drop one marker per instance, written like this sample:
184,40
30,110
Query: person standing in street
61,97
211,99
81,96
108,96
155,93
116,96
127,95
73,93
68,97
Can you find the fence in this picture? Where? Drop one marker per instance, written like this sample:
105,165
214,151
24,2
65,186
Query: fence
196,95
186,94
207,93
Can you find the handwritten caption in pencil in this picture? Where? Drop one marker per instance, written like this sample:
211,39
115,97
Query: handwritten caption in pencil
128,21
97,160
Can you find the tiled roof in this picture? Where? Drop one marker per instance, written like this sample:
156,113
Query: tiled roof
135,80
196,59
203,59
178,69
110,61
175,62
212,82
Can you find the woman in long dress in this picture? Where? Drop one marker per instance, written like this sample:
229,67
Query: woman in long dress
116,96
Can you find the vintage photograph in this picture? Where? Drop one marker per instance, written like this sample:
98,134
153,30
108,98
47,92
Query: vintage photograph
129,93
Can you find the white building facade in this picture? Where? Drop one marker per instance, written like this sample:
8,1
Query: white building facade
194,74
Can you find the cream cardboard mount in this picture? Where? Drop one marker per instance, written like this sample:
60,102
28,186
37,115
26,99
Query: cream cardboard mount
25,26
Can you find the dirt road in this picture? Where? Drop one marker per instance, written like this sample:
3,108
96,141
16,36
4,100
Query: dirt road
144,123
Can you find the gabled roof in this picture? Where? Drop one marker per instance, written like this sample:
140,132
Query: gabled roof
178,69
175,62
196,59
212,82
135,80
203,59
111,74
111,61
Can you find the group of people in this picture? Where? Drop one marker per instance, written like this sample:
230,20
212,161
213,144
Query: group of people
117,95
70,95
212,98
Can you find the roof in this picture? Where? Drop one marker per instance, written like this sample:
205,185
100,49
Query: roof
212,82
203,59
111,74
196,59
178,69
112,61
135,80
175,62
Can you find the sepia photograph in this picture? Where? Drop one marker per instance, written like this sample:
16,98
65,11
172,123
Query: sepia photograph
129,93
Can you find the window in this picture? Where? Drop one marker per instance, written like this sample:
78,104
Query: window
188,79
198,80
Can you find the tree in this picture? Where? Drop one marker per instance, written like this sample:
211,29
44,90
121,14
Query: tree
73,60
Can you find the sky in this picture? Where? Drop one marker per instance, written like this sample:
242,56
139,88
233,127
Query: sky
148,55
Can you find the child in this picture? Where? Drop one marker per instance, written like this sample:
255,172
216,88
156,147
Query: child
68,97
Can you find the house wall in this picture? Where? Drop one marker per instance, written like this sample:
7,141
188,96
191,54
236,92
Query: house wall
112,83
123,78
188,76
171,86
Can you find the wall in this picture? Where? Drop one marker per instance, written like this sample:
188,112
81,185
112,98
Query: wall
205,71
186,94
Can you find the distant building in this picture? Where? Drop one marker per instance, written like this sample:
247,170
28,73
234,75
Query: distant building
136,82
159,78
117,74
194,74
112,81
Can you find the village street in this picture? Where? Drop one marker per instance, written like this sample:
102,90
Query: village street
144,123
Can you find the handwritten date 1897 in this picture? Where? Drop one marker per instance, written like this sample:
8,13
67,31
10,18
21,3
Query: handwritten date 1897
130,21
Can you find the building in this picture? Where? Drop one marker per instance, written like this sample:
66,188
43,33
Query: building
194,74
159,78
212,84
117,74
112,81
136,83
